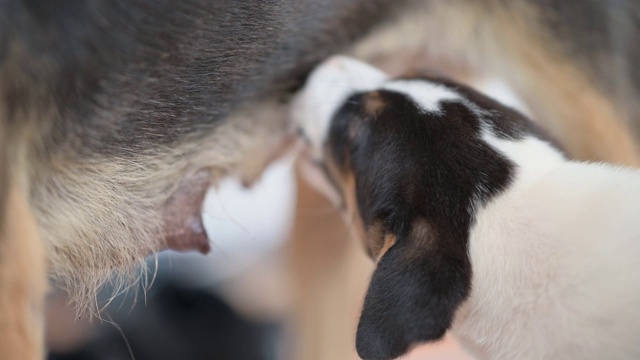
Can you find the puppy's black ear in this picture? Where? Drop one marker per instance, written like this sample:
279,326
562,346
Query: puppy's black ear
413,295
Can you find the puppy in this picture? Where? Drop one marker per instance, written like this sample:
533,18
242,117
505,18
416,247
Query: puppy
478,223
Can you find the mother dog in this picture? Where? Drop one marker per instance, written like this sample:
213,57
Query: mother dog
115,117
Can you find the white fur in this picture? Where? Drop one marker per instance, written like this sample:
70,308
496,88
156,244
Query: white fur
555,257
426,95
327,88
555,262
340,77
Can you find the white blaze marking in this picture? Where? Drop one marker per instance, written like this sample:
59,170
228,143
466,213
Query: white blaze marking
425,94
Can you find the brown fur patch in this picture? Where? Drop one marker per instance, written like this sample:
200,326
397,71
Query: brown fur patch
388,241
378,241
373,103
423,233
375,237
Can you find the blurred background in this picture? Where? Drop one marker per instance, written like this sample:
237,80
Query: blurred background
283,280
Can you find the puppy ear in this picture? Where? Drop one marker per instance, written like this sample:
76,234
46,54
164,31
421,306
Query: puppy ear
414,293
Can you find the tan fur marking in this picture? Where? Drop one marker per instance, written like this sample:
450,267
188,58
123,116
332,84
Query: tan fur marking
375,237
422,232
373,103
23,283
389,241
422,239
379,241
353,214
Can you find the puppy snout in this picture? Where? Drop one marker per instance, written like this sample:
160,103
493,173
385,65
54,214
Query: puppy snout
328,87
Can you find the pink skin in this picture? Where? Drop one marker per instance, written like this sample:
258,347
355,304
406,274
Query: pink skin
182,213
184,230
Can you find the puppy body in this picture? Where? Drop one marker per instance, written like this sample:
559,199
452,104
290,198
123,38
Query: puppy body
555,262
478,223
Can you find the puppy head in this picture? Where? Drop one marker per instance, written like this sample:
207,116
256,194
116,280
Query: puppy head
411,162
325,92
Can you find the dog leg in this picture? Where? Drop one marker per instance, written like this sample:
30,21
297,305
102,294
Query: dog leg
329,272
23,283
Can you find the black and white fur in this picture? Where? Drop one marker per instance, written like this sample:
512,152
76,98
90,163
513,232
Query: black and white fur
497,236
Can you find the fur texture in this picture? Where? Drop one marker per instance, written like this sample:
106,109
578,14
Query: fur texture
112,108
478,222
113,111
23,279
109,111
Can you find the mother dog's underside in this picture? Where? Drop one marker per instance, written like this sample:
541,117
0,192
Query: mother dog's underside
115,117
119,116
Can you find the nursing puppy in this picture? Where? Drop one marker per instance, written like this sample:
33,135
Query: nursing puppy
477,222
